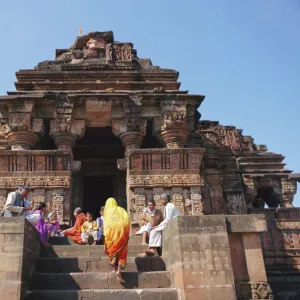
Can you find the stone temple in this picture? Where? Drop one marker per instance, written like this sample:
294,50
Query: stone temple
99,121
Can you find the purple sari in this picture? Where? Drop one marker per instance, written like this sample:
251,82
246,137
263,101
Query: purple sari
41,227
53,228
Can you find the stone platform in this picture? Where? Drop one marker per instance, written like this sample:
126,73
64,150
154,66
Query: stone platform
213,257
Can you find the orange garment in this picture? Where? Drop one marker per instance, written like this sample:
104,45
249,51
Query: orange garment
75,231
116,232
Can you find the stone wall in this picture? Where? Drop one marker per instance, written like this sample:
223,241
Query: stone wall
216,257
19,248
281,250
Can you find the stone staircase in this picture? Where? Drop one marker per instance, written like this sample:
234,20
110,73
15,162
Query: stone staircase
67,271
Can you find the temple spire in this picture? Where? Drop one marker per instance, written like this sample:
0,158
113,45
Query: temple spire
80,30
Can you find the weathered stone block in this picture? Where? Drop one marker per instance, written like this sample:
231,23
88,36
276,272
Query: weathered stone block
246,223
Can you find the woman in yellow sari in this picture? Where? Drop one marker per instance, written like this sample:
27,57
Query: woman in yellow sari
116,232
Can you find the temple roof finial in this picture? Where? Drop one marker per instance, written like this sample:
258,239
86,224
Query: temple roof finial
80,30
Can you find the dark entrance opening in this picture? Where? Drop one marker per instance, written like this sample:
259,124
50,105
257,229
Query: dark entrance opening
96,190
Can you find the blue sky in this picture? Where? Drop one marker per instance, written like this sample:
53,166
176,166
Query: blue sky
243,55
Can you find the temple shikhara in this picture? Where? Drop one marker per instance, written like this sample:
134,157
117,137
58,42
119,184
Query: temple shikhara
98,121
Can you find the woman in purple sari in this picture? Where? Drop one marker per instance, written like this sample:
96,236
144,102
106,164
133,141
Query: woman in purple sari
41,226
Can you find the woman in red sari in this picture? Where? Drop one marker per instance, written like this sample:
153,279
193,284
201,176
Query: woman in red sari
75,231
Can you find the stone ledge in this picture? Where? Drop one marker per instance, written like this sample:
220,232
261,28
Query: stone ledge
246,223
216,223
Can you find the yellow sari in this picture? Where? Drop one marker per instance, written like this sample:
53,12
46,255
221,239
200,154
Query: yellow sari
116,232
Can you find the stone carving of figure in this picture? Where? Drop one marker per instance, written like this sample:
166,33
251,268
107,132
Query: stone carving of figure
235,204
126,53
59,164
118,52
95,43
109,52
92,47
63,125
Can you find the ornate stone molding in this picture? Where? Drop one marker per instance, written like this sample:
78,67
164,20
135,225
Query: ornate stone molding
47,181
171,129
167,180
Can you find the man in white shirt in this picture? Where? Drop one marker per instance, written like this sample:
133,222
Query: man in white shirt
155,236
15,203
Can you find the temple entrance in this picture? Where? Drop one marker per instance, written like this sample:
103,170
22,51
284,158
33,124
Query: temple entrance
99,177
96,189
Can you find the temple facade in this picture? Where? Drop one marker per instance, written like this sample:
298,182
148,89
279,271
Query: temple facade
98,121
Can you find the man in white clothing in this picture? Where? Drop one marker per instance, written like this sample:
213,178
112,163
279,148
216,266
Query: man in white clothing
155,236
15,203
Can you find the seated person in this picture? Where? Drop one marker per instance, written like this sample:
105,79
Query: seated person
155,235
75,231
100,224
150,218
55,226
89,229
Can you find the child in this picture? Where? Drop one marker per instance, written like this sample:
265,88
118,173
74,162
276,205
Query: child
100,224
55,227
89,229
48,226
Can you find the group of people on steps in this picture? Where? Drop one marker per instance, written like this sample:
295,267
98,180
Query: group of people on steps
112,228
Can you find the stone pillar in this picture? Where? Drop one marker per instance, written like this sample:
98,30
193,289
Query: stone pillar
22,130
131,129
289,189
250,191
65,131
171,128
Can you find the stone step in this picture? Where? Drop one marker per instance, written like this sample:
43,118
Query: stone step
137,294
92,280
101,264
84,251
63,241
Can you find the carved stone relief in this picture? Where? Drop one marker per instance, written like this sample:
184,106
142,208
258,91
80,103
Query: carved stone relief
235,204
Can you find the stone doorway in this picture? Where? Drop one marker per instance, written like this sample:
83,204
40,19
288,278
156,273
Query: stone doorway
96,189
99,177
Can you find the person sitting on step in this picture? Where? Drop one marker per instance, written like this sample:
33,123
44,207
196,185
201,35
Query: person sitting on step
75,231
100,224
89,229
54,226
155,236
150,218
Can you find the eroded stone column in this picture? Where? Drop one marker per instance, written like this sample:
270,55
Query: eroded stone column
130,132
65,131
22,130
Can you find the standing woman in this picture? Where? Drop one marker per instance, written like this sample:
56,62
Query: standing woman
116,232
